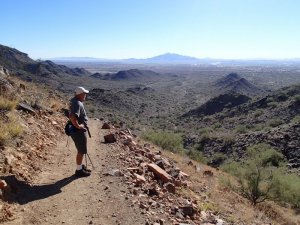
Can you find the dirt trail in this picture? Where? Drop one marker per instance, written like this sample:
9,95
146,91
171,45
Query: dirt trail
57,197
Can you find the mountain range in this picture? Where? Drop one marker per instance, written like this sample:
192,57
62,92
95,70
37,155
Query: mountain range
172,58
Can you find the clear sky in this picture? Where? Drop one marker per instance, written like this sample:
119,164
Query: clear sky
144,28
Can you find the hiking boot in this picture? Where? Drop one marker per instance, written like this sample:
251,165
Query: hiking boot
86,169
82,173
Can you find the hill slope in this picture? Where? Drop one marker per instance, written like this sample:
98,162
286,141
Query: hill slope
272,119
128,75
234,82
21,65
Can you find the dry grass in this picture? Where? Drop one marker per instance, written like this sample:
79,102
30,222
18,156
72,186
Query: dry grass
10,129
54,104
7,104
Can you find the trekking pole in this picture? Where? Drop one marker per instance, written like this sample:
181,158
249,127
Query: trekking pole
90,160
88,130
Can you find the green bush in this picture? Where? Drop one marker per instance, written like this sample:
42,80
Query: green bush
255,173
275,122
262,176
205,134
282,97
168,141
217,159
196,155
217,125
297,99
258,127
286,188
241,129
258,113
272,104
296,119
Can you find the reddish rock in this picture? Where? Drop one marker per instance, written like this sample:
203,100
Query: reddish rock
188,210
171,188
183,175
106,126
208,173
3,184
139,178
159,172
110,138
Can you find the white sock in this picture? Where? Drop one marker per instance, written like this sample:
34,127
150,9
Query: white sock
79,167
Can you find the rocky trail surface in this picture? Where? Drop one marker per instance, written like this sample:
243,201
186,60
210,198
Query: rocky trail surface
57,197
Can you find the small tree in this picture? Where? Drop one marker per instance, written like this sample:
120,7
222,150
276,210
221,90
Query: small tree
255,173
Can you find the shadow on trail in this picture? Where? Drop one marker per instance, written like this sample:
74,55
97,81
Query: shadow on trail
23,193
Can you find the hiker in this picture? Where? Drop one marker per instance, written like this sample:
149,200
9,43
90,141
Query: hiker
79,120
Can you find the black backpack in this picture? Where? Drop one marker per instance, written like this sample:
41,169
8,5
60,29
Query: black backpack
69,128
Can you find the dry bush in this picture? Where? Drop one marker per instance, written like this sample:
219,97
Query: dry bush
10,128
7,104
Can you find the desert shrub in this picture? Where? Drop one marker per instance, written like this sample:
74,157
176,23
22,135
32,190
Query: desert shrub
297,99
241,129
166,140
92,109
258,113
286,188
255,179
270,99
196,155
217,125
266,129
207,119
282,97
296,119
272,104
228,139
217,159
7,104
275,122
205,134
258,127
9,129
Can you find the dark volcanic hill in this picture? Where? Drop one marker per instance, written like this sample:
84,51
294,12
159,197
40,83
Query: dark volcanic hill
20,64
132,74
218,104
236,83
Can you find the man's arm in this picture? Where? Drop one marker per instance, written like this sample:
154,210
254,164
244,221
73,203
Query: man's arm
74,121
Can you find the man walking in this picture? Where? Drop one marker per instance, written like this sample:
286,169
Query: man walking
79,120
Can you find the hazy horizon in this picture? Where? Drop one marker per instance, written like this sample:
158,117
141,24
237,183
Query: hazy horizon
114,29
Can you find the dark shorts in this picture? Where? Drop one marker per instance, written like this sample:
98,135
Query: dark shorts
80,140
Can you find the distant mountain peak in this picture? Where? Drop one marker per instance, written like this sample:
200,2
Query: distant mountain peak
172,57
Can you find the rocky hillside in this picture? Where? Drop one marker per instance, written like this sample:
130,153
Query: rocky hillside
236,83
18,63
218,104
273,119
128,75
30,120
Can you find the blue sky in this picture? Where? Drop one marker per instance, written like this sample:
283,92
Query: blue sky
145,28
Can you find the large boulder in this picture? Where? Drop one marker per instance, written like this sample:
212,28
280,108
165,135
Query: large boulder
110,138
